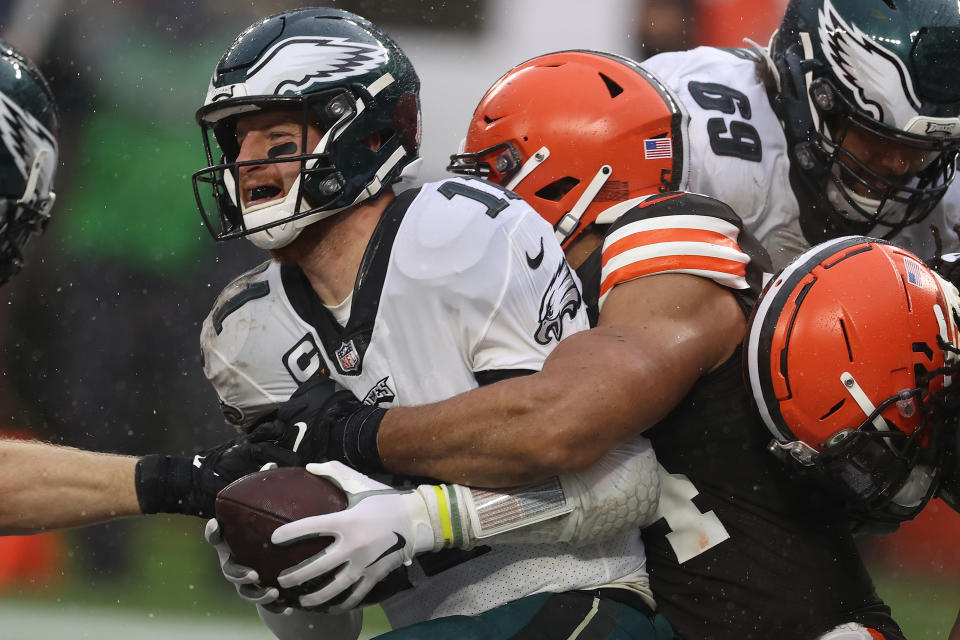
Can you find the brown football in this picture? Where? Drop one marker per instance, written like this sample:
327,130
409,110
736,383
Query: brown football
249,509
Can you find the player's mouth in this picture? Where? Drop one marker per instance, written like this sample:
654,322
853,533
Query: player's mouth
261,193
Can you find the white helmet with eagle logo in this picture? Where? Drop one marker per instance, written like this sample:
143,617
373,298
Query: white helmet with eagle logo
348,78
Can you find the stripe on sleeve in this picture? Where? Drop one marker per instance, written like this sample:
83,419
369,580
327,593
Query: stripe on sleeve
704,246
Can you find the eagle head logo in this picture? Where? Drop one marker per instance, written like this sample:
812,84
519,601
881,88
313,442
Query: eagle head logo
562,298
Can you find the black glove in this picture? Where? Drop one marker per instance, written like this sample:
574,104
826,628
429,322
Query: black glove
189,484
320,423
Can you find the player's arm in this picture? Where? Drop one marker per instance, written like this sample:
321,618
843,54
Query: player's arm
46,486
655,337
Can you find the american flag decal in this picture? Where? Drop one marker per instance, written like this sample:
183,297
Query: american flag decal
914,272
654,148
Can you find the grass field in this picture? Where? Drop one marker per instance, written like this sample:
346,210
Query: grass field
174,590
925,609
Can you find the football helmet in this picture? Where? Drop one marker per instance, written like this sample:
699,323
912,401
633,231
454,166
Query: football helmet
851,358
881,72
575,133
349,79
28,156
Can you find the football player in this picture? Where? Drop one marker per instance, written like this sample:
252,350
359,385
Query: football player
405,298
48,487
741,547
847,124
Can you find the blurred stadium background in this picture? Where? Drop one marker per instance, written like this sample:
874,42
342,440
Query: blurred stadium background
99,337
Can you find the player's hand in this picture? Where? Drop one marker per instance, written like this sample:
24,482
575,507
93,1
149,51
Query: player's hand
243,578
189,484
299,424
321,422
380,530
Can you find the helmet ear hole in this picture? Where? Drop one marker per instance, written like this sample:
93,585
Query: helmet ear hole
558,189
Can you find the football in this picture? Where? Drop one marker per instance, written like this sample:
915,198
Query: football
249,509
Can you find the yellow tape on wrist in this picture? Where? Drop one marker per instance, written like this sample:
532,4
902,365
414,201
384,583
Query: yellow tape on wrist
443,508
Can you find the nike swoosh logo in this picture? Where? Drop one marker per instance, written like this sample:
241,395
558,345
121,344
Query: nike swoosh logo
198,460
400,544
534,262
302,426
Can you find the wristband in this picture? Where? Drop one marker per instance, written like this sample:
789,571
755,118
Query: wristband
163,483
356,439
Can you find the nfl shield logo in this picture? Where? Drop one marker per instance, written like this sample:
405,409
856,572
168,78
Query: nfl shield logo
347,355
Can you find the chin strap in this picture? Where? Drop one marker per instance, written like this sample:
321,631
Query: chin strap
571,220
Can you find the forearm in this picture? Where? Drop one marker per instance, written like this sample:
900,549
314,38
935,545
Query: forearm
47,487
558,421
598,388
470,439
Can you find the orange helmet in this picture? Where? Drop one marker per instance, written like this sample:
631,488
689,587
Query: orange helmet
574,133
850,355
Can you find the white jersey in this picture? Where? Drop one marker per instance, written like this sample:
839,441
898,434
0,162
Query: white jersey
462,283
738,150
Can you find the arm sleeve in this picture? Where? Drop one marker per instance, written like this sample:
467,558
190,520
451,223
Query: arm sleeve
618,493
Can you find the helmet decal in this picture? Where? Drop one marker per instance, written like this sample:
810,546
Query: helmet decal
293,64
23,136
847,48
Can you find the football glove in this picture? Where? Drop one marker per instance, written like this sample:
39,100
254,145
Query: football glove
381,530
189,484
243,578
322,422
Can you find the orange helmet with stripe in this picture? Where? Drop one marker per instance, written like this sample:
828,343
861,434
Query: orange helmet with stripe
575,133
851,357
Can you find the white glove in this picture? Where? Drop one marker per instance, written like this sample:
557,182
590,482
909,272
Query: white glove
243,578
380,530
